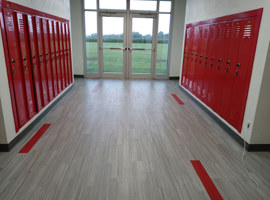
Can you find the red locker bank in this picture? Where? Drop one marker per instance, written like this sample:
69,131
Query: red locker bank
38,58
218,61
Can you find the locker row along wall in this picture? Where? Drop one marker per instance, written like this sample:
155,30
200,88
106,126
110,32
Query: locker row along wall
218,60
38,59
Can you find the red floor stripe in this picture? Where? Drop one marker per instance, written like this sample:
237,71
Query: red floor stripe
206,180
96,88
34,139
177,99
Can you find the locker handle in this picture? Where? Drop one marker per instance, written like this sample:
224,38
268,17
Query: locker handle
238,64
24,59
52,53
192,54
228,62
206,57
13,61
40,55
226,70
201,56
212,58
219,60
47,54
236,72
25,68
218,68
211,65
196,54
34,56
14,70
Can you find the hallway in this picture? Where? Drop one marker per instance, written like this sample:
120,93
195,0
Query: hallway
129,140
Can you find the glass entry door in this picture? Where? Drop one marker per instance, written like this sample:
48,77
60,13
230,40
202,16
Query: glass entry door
112,45
142,45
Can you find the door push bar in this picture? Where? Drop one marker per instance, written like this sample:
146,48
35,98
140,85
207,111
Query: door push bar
130,49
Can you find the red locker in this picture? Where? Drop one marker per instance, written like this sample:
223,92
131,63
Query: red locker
57,57
69,54
186,53
241,71
188,82
26,63
52,57
64,54
46,58
35,62
43,70
15,63
203,61
61,55
229,72
200,68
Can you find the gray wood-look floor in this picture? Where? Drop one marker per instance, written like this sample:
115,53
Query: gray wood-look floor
129,140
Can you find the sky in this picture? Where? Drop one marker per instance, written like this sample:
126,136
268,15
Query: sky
114,25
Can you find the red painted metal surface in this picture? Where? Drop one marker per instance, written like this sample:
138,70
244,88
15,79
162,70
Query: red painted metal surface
218,61
61,55
9,73
206,180
15,63
64,56
52,57
46,58
26,63
42,65
69,53
35,61
30,144
57,56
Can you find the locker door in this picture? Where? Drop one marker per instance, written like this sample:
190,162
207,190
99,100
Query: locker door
211,63
15,63
203,62
184,68
199,62
42,65
216,68
196,50
229,72
26,64
61,55
57,56
46,58
35,61
188,83
52,57
69,54
64,54
242,70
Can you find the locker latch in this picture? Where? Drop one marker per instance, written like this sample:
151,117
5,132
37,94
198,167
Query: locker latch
226,70
219,60
228,62
238,64
25,68
212,58
236,72
218,68
206,57
24,59
14,70
13,61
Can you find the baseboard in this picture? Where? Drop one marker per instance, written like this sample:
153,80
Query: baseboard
78,76
174,78
235,136
8,147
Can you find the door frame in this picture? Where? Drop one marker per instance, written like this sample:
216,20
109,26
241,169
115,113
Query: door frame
100,44
154,45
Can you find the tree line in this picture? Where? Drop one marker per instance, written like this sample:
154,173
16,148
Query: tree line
136,38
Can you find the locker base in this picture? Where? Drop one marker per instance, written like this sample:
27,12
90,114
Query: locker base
8,147
249,147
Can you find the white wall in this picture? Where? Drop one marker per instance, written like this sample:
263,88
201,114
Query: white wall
207,9
177,34
77,36
60,8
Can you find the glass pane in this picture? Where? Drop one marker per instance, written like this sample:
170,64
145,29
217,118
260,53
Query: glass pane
112,61
92,66
165,6
142,32
163,36
115,4
91,34
113,30
150,5
161,67
90,4
141,62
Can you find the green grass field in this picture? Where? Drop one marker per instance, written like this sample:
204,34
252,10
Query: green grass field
113,59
